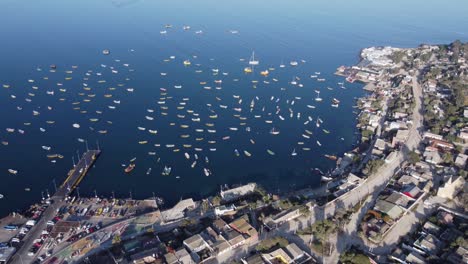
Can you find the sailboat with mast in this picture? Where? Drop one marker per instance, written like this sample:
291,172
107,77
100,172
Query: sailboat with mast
252,60
318,99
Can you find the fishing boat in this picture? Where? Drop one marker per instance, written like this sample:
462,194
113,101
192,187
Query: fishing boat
318,99
274,132
318,143
187,156
11,171
148,171
236,152
166,171
106,52
207,172
76,125
326,131
248,70
193,164
326,179
252,60
293,63
264,73
129,168
133,159
46,148
270,152
247,153
294,153
331,157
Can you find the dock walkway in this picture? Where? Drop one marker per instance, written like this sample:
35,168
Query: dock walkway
75,176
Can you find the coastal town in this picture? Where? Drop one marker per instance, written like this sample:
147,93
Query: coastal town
398,197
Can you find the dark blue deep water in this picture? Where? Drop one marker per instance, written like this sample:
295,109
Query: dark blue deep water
325,34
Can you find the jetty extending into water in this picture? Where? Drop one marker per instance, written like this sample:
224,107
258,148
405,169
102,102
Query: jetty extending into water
75,176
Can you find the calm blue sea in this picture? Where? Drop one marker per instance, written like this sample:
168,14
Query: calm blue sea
325,34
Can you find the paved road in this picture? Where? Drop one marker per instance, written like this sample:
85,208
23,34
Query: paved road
57,201
377,183
373,185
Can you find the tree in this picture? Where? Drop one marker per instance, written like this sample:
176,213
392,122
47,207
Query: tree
269,243
354,258
216,200
322,229
413,157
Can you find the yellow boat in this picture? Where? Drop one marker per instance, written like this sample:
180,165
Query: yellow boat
265,73
247,70
108,95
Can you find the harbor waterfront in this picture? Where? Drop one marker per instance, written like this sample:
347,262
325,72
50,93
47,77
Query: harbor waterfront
316,43
247,217
244,132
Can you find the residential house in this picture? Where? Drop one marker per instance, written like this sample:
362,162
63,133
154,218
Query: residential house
181,256
236,193
196,243
459,256
400,137
223,209
282,217
461,159
464,134
243,227
398,199
432,156
298,255
255,259
411,191
390,209
277,256
428,243
428,135
451,187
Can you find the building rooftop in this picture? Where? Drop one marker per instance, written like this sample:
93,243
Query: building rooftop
195,243
242,226
392,210
240,191
398,199
278,256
